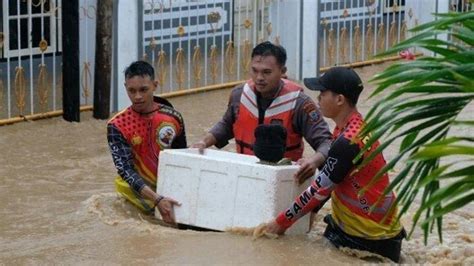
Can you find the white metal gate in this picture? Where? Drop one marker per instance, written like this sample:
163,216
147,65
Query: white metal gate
31,56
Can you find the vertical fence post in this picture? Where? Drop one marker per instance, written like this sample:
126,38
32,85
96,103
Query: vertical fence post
71,70
103,54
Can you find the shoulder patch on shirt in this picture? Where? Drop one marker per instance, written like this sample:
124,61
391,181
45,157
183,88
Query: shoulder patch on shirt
309,107
165,134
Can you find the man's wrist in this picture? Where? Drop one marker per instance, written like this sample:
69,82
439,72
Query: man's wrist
282,221
157,200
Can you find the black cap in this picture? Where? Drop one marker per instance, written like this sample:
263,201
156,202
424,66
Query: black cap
341,80
270,142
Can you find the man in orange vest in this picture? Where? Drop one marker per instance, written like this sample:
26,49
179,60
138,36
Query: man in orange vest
137,134
267,98
363,222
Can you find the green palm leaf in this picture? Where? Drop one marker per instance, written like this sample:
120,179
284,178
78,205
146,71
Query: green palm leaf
424,100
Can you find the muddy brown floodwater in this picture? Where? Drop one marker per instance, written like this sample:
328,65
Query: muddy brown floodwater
59,206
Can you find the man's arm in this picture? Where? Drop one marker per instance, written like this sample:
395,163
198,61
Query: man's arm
308,166
179,141
309,121
338,165
123,160
222,131
207,141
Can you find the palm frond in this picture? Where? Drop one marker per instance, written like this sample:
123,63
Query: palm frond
424,100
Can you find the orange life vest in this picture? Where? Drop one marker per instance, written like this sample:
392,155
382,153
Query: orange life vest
147,136
280,111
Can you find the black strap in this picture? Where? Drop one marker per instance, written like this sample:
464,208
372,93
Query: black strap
158,99
241,145
294,147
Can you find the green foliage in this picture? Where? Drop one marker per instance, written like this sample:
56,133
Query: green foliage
423,100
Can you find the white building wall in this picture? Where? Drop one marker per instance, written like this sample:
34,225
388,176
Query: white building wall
126,49
422,12
87,29
288,23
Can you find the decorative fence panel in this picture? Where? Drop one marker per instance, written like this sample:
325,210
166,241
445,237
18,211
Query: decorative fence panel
31,56
197,43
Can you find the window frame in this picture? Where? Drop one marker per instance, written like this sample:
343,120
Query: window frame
31,50
387,8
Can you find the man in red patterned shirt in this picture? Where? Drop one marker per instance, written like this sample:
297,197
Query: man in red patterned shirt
137,134
364,222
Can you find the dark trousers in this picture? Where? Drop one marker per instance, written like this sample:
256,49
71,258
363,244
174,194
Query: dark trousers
389,248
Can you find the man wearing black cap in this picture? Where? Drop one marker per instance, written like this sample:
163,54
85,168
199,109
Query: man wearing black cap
362,222
267,99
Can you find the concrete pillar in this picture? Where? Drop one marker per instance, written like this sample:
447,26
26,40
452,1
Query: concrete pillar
289,23
310,28
126,46
297,25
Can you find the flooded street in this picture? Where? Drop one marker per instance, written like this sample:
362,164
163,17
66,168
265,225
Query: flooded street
59,204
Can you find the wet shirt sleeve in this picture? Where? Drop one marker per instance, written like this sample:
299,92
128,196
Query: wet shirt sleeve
123,158
180,141
337,166
309,122
223,130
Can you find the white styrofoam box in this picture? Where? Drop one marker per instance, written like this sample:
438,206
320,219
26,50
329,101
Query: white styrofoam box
220,189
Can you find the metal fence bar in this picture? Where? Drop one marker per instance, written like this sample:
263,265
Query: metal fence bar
197,55
189,47
152,41
7,48
261,13
255,19
19,68
30,47
41,92
239,37
223,49
350,33
399,21
179,51
387,24
162,54
338,27
232,36
376,27
277,37
213,52
299,37
363,33
171,50
54,20
323,25
247,39
205,46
